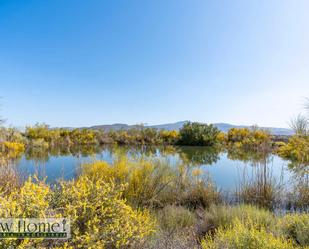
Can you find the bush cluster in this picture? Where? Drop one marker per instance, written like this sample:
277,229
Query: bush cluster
245,138
100,217
296,150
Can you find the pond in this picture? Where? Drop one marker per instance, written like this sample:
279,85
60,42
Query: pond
227,169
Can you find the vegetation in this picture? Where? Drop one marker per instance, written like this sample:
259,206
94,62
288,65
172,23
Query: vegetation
41,137
150,203
147,204
249,227
244,138
223,216
155,183
141,136
300,125
99,216
44,136
198,134
245,236
295,227
297,148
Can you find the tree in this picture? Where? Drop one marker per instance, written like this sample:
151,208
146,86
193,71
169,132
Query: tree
198,134
300,125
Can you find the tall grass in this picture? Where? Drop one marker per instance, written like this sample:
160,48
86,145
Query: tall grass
260,188
155,183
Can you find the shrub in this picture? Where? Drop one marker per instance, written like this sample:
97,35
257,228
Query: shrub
223,216
237,135
169,137
99,217
41,133
296,150
13,149
198,134
244,236
200,194
10,179
30,201
148,183
39,143
172,218
299,194
118,171
295,227
145,181
249,138
221,137
155,183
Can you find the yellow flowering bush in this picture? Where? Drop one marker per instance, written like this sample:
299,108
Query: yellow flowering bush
144,181
31,200
221,137
297,150
12,149
119,171
245,236
169,137
100,217
296,227
248,138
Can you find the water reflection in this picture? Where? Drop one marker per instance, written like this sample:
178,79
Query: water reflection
190,155
226,164
196,156
249,156
257,177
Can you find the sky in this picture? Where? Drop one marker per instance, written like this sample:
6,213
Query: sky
82,63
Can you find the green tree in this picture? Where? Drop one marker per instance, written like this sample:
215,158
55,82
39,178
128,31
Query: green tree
198,134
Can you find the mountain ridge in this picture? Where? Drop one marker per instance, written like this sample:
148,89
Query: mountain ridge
224,127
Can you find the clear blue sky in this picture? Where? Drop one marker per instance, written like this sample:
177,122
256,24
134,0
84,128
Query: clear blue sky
81,63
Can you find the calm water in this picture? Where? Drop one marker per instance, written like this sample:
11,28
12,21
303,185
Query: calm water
227,169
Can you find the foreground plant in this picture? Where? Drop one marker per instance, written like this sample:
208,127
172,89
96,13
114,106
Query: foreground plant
296,150
100,217
245,236
295,227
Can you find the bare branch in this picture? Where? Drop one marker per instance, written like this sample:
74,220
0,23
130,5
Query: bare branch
300,125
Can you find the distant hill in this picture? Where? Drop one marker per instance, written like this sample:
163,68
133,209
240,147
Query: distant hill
273,130
176,126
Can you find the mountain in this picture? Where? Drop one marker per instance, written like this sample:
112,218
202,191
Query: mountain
273,130
224,127
113,127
